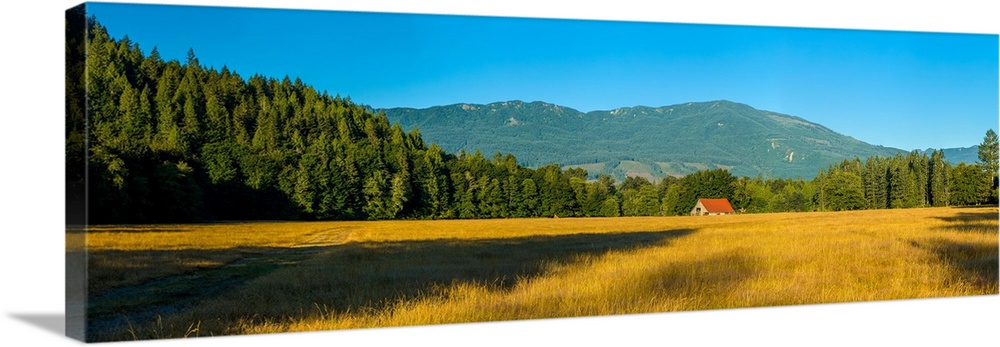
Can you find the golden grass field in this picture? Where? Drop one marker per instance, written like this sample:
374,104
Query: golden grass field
162,281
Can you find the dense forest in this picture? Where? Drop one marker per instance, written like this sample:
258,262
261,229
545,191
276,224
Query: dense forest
155,141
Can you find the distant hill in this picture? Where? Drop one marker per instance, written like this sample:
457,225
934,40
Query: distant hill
642,141
966,155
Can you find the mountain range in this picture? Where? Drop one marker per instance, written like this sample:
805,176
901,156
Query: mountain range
650,142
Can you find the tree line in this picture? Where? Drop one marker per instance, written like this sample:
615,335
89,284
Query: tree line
165,141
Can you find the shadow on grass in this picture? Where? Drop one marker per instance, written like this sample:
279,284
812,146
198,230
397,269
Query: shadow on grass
986,221
353,276
975,206
374,275
970,217
712,277
976,263
188,282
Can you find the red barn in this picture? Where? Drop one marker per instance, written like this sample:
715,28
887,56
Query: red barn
712,207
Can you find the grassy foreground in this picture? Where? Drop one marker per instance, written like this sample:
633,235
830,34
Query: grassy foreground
239,278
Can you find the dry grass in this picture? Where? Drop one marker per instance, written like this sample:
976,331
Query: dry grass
121,255
371,274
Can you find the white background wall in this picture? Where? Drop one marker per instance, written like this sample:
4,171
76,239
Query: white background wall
31,138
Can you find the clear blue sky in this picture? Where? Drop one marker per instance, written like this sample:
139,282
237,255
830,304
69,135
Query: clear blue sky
898,89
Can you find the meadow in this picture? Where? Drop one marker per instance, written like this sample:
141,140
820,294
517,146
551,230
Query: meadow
165,281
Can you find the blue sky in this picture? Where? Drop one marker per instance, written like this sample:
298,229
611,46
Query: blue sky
898,89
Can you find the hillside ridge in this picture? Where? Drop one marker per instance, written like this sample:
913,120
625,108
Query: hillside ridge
647,141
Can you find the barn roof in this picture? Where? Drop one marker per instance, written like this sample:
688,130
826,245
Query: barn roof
717,205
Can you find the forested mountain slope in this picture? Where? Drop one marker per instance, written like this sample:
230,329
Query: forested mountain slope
150,140
645,141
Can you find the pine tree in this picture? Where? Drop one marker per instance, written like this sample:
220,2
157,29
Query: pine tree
966,185
938,186
377,205
168,137
919,173
897,178
989,160
529,194
988,152
399,195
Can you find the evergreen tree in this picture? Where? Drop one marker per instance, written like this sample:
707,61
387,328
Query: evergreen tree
919,176
597,194
989,152
465,193
989,160
898,180
400,194
168,139
513,191
377,205
529,194
938,185
966,185
875,182
556,195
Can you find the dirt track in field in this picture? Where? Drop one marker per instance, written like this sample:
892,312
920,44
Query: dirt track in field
118,308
